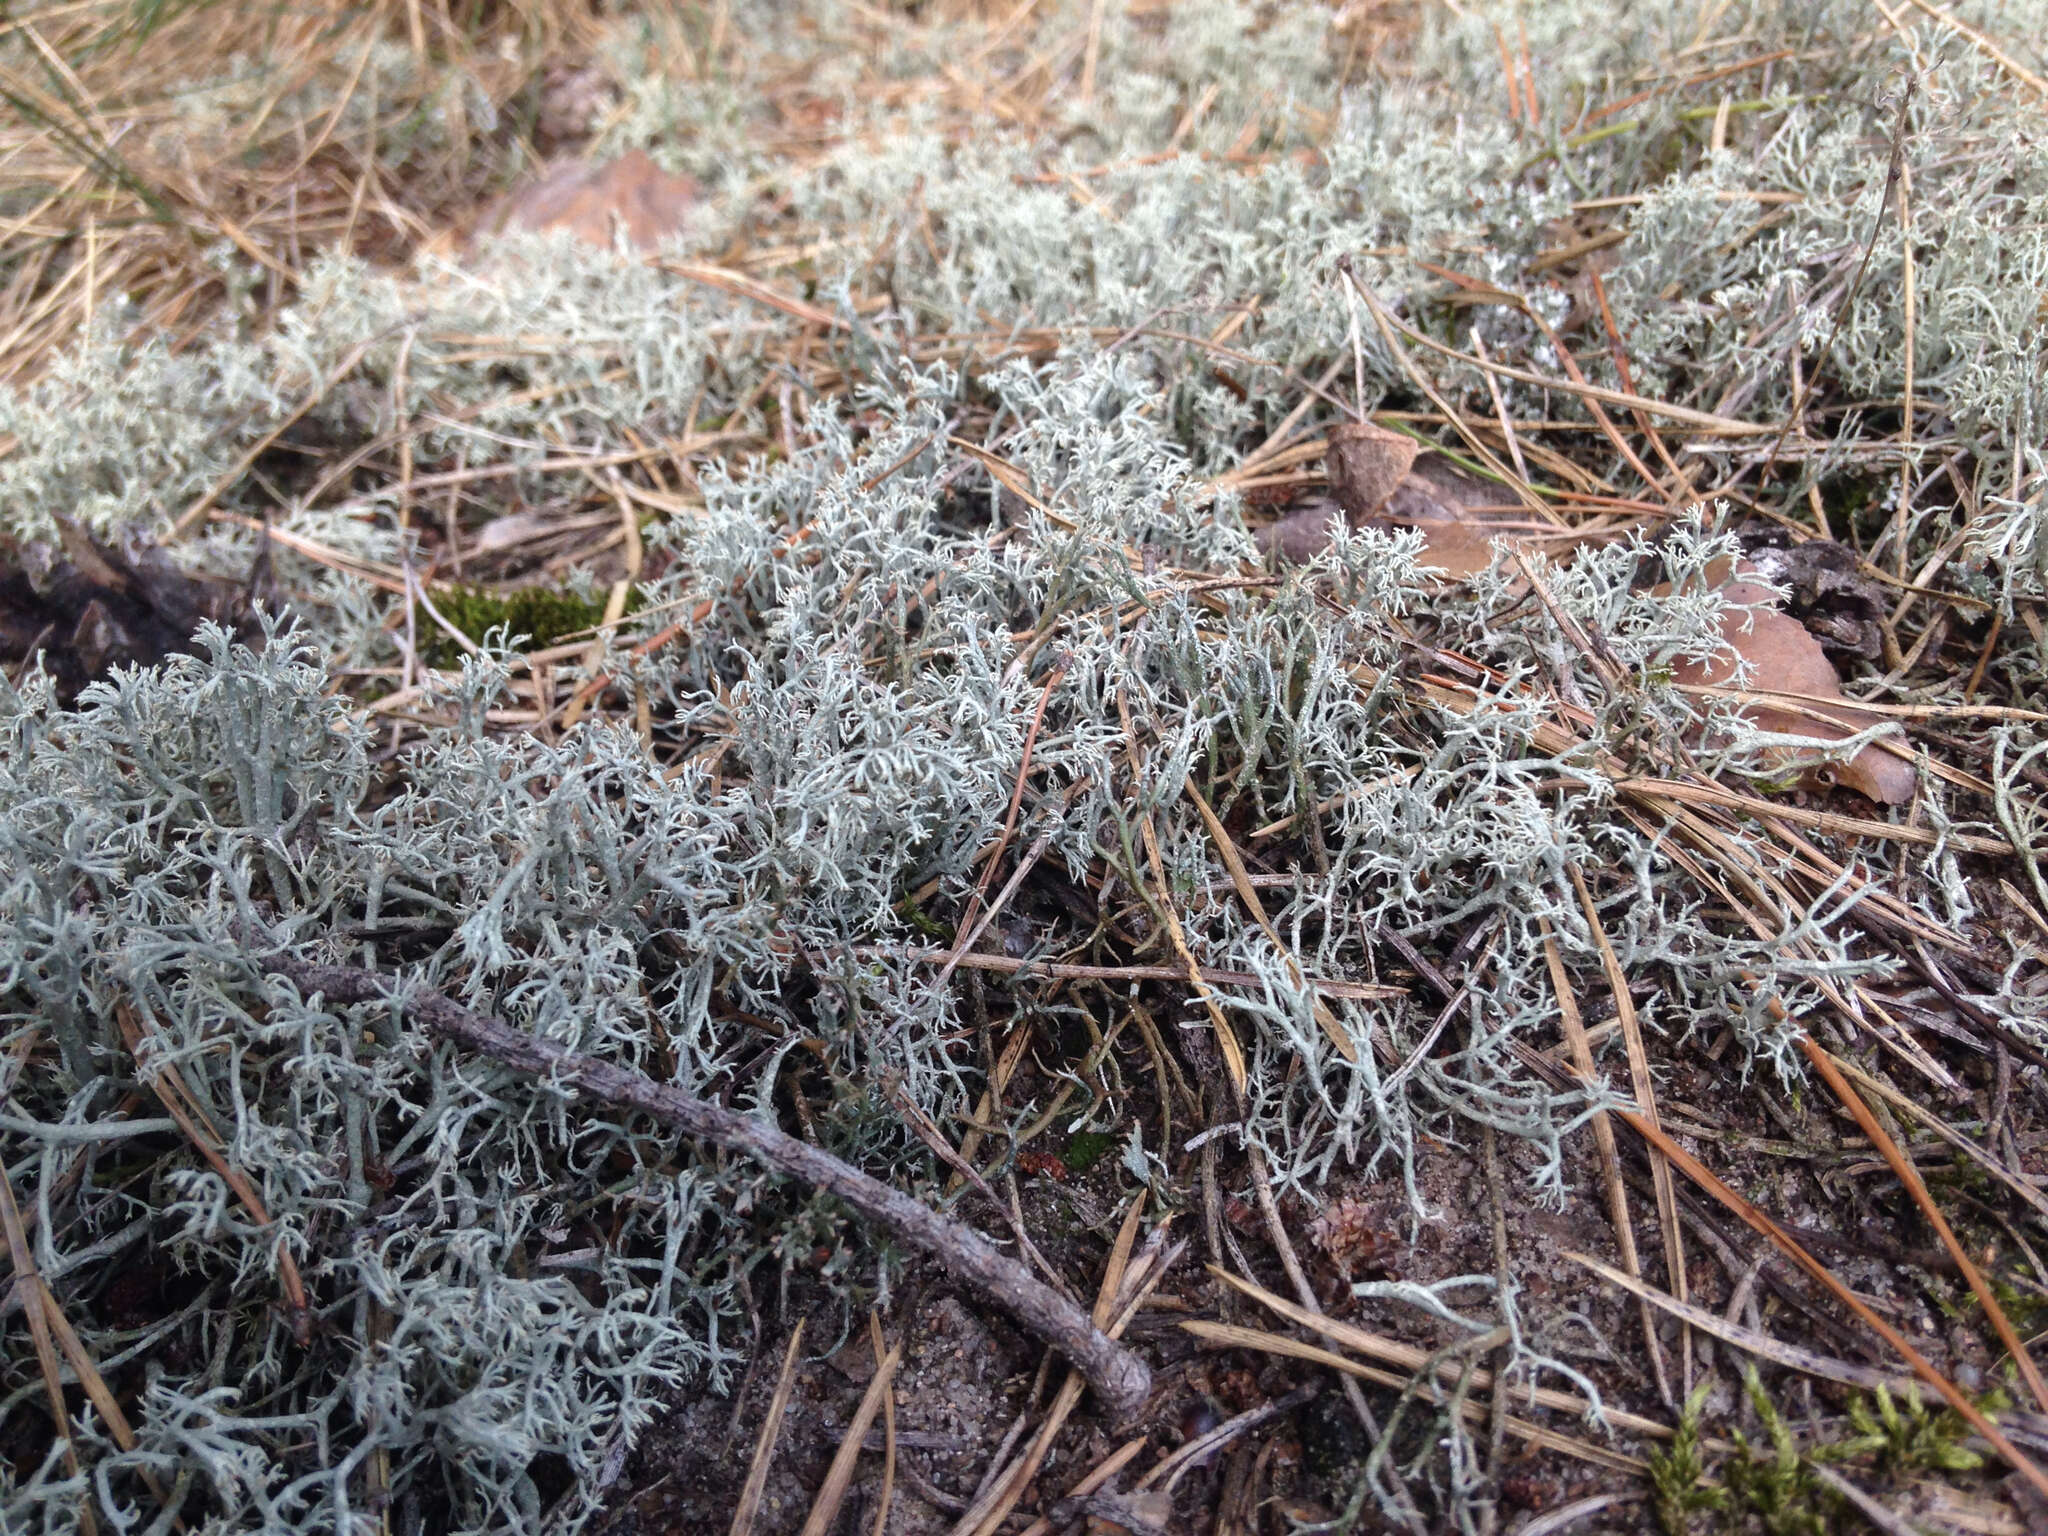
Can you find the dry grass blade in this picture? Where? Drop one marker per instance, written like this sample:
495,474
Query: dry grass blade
1226,1037
87,1370
389,577
616,598
1228,1336
987,1514
1116,1268
1276,1234
1719,862
111,143
39,1303
1646,1097
1978,1154
839,1477
1097,1476
1007,1061
963,1170
1160,899
1600,417
1889,711
1386,325
748,1510
1681,489
1881,1519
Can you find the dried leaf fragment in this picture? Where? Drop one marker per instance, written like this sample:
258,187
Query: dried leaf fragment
1349,1235
1367,464
1458,517
1784,657
630,198
1460,550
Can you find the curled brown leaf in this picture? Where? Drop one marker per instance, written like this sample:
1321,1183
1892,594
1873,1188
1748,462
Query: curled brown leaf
1784,657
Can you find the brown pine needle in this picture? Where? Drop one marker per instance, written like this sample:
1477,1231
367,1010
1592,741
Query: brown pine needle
887,1495
967,929
38,1306
1581,1053
1903,1169
749,1507
1694,1170
1646,1097
1248,893
177,1098
839,1476
1792,1356
1229,1336
1116,1301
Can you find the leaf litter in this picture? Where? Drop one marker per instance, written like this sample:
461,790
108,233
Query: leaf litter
907,508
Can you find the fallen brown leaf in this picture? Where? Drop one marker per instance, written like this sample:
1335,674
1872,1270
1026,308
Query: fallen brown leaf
1458,517
1302,534
91,607
630,198
1367,464
1785,657
1460,550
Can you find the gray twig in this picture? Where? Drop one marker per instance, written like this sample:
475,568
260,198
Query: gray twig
1120,1379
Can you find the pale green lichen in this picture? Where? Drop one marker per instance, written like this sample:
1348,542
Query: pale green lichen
860,695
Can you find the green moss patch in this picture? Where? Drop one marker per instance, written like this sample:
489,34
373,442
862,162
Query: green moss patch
535,617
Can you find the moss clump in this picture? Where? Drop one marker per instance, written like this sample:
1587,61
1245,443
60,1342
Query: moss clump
1085,1150
1911,1438
1775,1483
545,616
1774,1486
1679,1491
